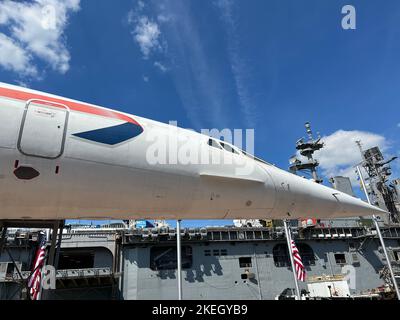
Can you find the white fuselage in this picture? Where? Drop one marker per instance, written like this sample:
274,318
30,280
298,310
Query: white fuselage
97,163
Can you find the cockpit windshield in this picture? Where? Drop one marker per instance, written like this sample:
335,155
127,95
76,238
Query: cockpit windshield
229,148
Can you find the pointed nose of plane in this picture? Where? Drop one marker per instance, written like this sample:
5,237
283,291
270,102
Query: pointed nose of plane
300,197
351,206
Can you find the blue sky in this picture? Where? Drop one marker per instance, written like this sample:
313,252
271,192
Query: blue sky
267,65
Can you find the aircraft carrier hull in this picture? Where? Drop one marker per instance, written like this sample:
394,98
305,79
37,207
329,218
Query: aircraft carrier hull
218,263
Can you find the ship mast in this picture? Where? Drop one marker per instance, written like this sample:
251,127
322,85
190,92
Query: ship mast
307,150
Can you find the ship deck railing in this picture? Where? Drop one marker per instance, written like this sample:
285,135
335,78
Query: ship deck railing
164,234
256,234
76,277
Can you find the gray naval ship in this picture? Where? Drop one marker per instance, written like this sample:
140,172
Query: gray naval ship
249,260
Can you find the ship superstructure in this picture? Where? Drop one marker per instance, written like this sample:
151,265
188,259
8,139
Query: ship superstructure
380,189
218,263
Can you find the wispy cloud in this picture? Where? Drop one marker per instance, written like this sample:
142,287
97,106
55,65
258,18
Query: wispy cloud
146,34
140,5
163,18
146,31
198,84
160,66
240,68
34,29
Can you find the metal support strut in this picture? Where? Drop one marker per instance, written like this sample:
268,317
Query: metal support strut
59,240
378,231
179,258
54,235
289,244
3,238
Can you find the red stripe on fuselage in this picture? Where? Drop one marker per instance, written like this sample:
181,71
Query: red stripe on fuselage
76,106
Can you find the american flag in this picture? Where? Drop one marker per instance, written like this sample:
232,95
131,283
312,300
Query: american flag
35,279
300,271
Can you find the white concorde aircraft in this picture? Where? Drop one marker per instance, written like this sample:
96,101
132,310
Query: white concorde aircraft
65,159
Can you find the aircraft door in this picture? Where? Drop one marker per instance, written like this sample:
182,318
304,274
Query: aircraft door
43,129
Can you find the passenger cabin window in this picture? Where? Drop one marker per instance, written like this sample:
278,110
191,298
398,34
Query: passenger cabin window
165,258
245,262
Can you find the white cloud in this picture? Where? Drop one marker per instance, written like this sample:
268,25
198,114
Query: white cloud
160,66
15,58
146,34
341,153
146,79
398,125
35,30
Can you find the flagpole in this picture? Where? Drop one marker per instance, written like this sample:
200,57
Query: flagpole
289,244
179,257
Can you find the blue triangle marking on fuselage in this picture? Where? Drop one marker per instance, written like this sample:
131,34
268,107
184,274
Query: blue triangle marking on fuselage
112,135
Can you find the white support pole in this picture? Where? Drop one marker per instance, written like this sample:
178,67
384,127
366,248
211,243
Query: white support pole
289,244
389,264
258,274
363,184
179,260
378,231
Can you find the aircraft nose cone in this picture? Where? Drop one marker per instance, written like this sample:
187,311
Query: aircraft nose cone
328,202
350,206
300,198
